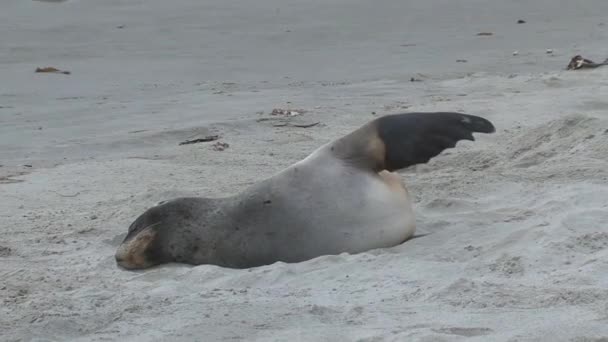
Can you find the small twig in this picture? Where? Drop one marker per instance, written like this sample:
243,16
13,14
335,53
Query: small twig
306,125
52,70
74,195
200,140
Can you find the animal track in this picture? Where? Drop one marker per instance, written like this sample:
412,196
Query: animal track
467,332
589,243
508,266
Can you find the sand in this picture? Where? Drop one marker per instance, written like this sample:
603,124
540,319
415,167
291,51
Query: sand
516,244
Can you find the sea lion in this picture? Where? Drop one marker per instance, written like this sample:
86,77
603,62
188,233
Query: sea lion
343,197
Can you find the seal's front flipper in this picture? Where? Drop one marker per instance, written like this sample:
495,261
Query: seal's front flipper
397,141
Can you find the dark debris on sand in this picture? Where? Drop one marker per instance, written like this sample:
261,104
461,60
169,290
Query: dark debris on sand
200,140
51,70
220,146
579,62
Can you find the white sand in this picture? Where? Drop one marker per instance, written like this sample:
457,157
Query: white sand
517,248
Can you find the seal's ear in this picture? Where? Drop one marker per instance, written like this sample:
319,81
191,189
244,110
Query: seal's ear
397,141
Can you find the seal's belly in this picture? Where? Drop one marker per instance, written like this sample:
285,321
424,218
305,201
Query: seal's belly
366,215
332,209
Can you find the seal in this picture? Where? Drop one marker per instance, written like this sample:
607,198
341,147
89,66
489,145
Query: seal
343,197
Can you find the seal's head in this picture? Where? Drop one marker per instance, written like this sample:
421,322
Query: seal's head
162,234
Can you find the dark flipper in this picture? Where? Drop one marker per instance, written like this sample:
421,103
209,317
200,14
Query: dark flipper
397,141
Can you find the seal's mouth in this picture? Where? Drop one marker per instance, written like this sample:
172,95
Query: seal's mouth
126,261
132,253
125,264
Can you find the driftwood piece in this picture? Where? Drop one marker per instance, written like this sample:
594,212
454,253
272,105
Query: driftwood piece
579,62
200,140
52,71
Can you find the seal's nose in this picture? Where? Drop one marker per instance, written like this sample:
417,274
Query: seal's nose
121,257
133,253
123,262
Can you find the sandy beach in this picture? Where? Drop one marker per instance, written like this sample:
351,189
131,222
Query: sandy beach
514,225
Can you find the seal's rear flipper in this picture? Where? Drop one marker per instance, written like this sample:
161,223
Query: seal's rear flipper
397,141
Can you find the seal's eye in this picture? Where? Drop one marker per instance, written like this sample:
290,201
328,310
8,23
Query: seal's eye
135,228
131,228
